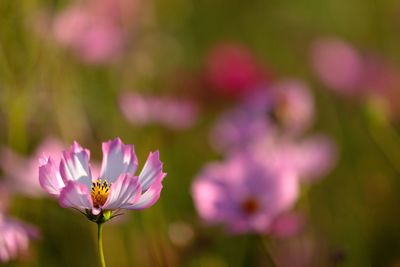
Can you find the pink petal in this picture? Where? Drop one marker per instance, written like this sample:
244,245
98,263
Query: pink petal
75,195
49,177
118,158
151,171
315,157
123,193
206,194
14,238
148,198
338,64
74,165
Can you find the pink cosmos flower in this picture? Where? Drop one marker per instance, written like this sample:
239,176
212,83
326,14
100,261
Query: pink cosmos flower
243,194
286,106
231,69
352,73
338,65
94,29
21,173
115,188
167,111
14,238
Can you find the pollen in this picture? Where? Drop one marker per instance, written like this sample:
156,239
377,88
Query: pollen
100,192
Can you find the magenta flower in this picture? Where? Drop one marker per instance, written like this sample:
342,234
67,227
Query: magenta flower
231,69
244,194
167,111
338,65
14,238
116,187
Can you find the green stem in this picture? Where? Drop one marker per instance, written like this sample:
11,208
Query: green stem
268,253
100,243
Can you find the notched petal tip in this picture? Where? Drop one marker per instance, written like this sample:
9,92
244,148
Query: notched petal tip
151,171
118,158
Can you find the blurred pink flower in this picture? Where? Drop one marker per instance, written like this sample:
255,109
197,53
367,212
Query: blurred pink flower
231,69
21,173
167,111
93,30
116,186
284,107
338,65
310,158
14,237
243,194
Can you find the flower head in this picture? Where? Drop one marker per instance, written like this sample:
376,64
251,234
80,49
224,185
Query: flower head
167,111
232,69
286,106
94,30
117,187
338,65
244,194
14,237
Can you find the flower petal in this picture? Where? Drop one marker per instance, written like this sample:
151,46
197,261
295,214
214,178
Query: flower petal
74,165
123,193
315,157
118,158
148,198
49,177
151,171
76,195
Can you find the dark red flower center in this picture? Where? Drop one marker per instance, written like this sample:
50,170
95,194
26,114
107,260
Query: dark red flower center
250,206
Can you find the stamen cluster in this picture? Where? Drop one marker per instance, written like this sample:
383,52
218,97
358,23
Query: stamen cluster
100,192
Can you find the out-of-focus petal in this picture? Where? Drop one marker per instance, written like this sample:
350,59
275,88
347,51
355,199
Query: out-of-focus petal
124,192
49,177
118,158
75,195
74,165
314,157
338,65
14,238
206,195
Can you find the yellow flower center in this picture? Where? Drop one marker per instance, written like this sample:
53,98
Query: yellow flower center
100,192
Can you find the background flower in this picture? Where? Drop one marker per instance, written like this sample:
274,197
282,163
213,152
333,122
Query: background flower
244,195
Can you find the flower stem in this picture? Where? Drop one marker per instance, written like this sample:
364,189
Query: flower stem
100,244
